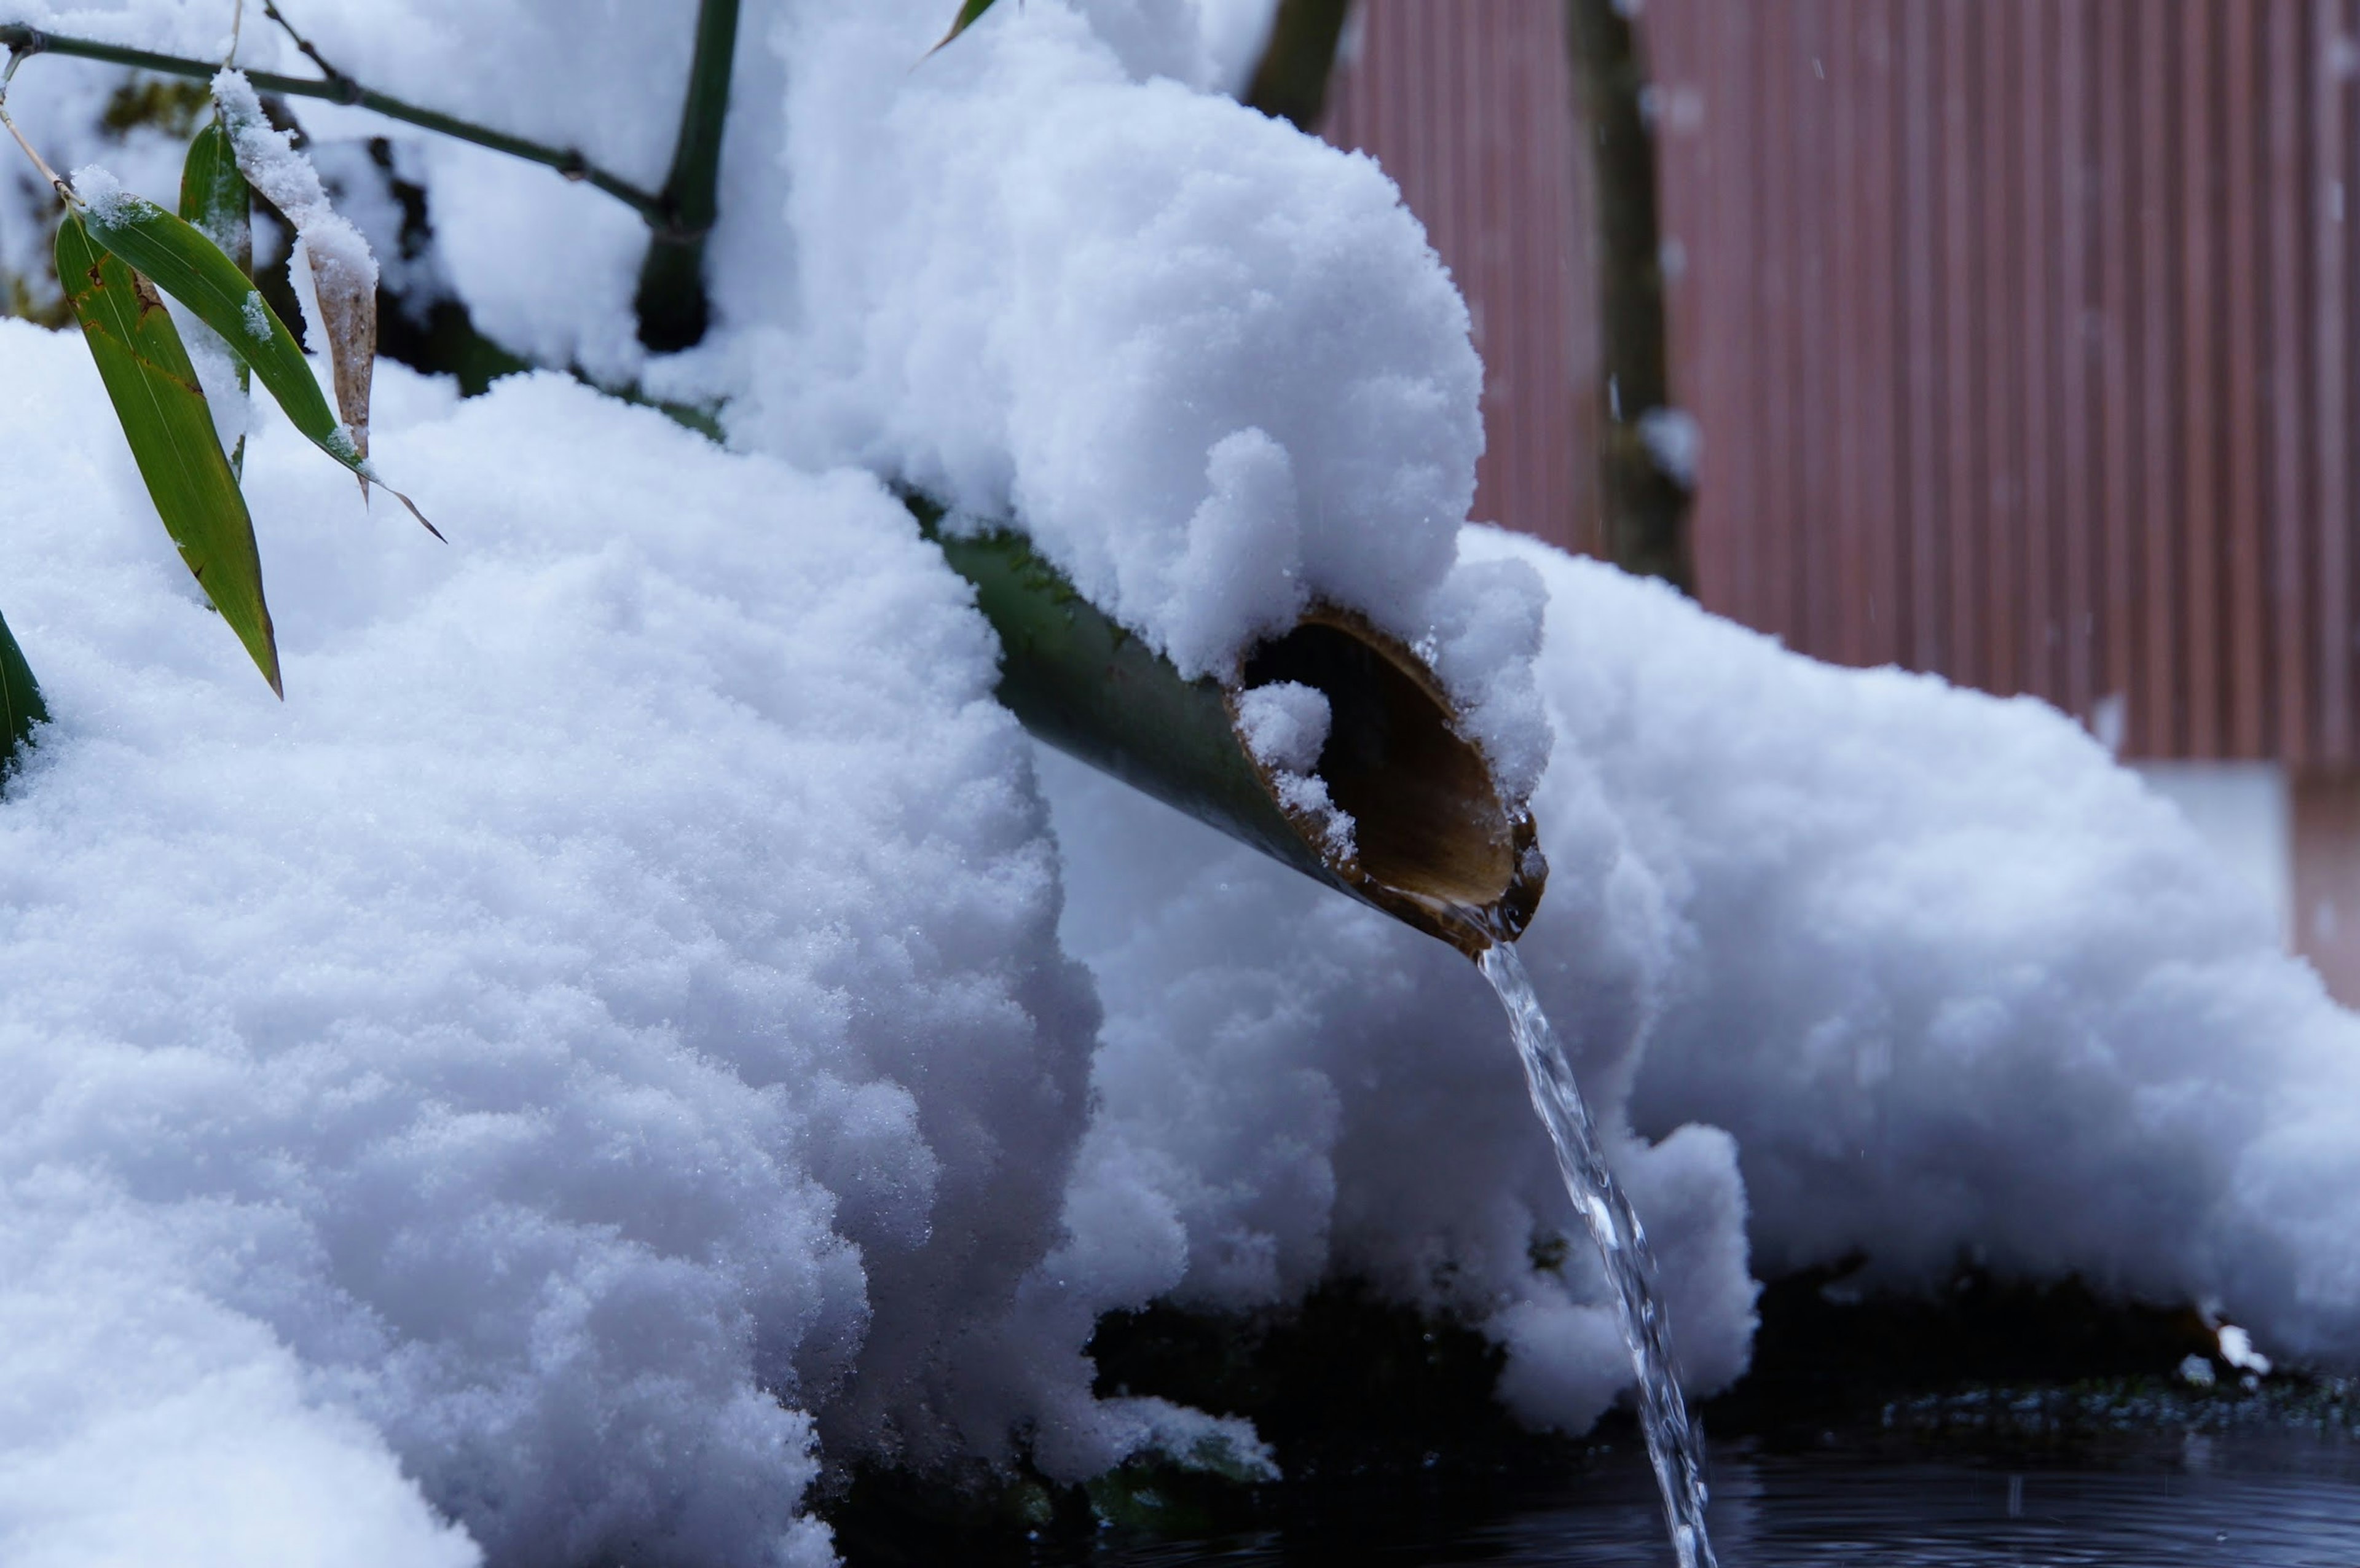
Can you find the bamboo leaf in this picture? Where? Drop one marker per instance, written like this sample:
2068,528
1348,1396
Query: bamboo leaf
969,14
20,701
192,269
347,302
216,202
154,389
214,195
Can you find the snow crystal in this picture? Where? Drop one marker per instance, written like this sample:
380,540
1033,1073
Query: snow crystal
102,194
1284,724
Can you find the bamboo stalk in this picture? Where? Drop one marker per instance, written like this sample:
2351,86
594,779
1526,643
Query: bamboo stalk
672,304
1291,81
1436,849
1644,507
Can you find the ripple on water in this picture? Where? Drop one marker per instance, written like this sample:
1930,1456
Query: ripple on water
2262,1503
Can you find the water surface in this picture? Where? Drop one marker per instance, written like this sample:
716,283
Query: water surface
2265,1501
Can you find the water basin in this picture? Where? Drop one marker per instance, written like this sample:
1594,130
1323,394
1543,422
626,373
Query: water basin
2256,1500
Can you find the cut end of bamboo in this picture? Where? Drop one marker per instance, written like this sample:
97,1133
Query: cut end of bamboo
1435,845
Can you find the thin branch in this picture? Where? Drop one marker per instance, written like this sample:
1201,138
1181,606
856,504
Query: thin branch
655,210
304,44
56,182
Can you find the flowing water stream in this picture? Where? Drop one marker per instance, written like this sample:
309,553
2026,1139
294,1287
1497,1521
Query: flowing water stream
1672,1445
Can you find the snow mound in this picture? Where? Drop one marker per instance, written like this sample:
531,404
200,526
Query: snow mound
1848,960
603,1035
1957,984
1209,364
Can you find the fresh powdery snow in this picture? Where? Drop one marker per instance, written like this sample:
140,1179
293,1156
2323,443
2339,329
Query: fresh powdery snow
1285,726
639,1024
607,1017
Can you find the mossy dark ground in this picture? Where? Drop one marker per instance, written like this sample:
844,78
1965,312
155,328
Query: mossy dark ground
1383,1420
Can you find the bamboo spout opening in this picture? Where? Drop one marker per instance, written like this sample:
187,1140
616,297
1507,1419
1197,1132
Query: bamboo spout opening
1436,844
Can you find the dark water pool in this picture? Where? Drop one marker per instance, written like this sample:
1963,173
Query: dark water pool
2268,1501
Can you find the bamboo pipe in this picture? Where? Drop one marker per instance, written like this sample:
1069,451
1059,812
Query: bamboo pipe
1437,848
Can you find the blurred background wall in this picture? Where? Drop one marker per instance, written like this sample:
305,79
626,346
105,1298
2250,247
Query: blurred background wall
2021,333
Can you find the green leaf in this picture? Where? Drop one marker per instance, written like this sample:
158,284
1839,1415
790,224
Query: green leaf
969,14
192,269
216,203
155,392
214,195
20,701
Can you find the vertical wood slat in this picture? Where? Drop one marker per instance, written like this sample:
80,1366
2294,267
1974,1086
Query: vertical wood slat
1473,123
2198,561
2121,379
2157,698
2331,427
1916,381
2117,308
2020,330
2290,496
2073,489
2248,701
2040,634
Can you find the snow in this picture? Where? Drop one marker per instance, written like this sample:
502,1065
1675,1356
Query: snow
102,194
1675,441
1285,726
639,1024
334,272
1210,364
601,1035
2237,1350
1957,984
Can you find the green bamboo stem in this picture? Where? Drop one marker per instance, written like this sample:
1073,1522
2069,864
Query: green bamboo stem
1436,849
672,306
653,208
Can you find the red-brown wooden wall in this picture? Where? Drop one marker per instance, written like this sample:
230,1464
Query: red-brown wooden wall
1466,104
2022,331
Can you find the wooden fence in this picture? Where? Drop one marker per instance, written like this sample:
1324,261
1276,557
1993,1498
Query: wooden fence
2021,332
1466,104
